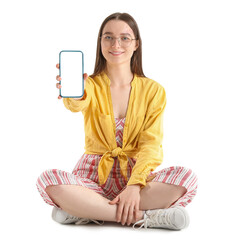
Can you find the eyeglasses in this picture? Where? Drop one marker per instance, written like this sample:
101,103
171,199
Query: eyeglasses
109,40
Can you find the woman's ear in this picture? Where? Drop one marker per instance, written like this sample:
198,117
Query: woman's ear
136,44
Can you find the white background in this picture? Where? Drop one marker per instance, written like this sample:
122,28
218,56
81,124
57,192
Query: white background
184,49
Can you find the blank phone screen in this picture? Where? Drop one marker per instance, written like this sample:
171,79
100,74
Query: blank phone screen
71,73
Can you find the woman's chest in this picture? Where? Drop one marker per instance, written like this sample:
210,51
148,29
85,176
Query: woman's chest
120,99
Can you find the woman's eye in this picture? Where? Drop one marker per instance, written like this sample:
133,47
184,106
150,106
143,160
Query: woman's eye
108,37
125,38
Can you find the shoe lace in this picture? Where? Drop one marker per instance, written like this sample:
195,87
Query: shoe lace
71,217
80,221
154,219
97,222
86,220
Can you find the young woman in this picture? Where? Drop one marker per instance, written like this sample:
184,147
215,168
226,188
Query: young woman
114,180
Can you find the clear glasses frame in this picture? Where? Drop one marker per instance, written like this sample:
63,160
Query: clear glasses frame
124,40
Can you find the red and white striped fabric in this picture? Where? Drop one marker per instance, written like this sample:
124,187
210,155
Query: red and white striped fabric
85,174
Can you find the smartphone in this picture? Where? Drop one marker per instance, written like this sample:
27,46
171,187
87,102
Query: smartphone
71,70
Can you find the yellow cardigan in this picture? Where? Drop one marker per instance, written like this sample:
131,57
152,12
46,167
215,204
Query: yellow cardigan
143,128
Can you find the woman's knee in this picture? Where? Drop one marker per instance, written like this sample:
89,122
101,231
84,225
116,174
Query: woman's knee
54,190
47,179
191,176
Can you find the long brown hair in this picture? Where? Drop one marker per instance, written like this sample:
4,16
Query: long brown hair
136,59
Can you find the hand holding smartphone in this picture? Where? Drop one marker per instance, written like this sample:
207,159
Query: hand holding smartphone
58,85
71,77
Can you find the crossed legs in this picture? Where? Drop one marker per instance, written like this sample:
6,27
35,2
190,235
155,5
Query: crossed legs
86,203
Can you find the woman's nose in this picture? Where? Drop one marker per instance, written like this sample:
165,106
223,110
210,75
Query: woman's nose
116,42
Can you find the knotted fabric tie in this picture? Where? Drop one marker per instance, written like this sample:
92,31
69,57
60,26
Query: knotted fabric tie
107,161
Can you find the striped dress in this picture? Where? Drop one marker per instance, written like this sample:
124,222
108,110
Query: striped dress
85,174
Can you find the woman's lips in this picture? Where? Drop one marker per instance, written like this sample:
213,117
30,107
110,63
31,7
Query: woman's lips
116,53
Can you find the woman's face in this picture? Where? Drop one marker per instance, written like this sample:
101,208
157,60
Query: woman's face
114,53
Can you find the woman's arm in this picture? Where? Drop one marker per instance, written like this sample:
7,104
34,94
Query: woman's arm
150,154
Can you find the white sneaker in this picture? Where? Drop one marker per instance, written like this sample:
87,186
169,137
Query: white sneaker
175,218
61,216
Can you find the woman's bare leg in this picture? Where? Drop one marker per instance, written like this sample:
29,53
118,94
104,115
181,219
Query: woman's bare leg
83,202
157,195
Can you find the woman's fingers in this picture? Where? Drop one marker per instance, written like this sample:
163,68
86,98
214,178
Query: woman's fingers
125,214
58,85
130,214
58,78
85,75
137,213
119,212
114,201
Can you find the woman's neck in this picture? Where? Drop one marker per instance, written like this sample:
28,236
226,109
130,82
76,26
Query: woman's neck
119,75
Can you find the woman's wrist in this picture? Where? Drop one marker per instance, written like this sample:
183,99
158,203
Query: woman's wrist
135,186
